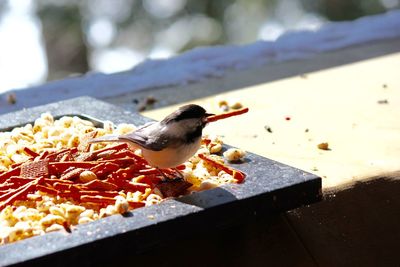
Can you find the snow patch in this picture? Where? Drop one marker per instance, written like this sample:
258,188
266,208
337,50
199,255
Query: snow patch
203,63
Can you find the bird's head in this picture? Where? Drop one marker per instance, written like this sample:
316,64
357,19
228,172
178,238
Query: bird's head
189,114
188,120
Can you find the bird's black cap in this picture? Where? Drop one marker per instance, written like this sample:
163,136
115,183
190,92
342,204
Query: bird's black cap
190,111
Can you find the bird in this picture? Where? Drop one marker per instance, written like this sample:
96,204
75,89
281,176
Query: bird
169,142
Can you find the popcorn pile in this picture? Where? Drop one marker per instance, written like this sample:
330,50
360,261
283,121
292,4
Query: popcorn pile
42,213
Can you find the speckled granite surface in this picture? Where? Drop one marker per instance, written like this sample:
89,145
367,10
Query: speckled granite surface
270,187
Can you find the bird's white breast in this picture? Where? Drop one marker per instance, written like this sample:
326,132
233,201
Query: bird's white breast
171,157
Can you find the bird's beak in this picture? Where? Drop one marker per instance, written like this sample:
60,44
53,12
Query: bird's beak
206,116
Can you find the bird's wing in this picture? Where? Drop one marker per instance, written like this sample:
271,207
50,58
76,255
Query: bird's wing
139,136
145,141
106,138
149,137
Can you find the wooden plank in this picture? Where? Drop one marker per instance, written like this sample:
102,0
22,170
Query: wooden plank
266,241
355,108
354,227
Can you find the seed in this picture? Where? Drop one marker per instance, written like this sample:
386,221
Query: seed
12,98
323,146
268,129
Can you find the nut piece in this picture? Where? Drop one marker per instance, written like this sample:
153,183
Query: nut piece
323,146
12,98
87,176
234,154
235,105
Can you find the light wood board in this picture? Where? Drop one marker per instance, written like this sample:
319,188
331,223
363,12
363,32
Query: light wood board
338,105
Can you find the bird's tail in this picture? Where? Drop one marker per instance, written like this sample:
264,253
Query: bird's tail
106,138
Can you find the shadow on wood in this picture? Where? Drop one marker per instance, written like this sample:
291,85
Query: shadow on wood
358,226
266,241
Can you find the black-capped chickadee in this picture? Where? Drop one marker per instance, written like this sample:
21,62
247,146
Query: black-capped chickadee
170,142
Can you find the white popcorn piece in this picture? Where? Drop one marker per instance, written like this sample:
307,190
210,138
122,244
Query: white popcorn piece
224,178
121,204
51,219
108,126
18,158
5,161
153,199
73,141
47,117
65,121
87,213
3,168
216,148
72,211
208,184
54,227
56,210
234,154
83,220
125,128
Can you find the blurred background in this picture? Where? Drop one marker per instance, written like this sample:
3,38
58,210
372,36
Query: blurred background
43,40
